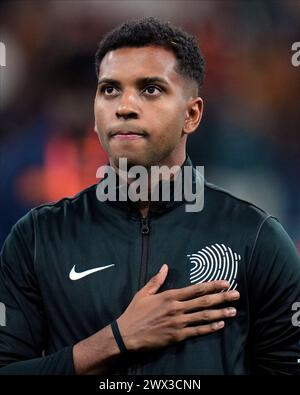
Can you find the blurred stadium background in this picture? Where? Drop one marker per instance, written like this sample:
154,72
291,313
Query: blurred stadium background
248,141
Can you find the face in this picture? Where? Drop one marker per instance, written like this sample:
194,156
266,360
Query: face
144,109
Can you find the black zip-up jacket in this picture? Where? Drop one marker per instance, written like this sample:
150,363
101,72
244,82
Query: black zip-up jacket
52,302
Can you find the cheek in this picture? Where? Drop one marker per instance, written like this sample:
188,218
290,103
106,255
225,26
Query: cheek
170,125
101,117
171,115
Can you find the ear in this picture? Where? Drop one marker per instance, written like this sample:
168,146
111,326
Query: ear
193,115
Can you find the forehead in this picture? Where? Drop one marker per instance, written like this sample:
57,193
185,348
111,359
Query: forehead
134,63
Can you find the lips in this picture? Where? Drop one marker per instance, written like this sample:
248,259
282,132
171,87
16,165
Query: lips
127,134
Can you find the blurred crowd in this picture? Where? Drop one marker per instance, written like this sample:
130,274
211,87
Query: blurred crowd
248,141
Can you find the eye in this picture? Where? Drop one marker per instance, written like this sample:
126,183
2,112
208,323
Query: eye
109,90
152,90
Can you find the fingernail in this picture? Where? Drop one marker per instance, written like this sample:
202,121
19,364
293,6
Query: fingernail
231,311
225,284
163,268
235,294
219,324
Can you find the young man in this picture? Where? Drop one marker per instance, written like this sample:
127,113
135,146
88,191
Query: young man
138,288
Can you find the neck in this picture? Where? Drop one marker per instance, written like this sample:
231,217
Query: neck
144,206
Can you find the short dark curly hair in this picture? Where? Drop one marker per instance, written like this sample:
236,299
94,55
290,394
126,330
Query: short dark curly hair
151,31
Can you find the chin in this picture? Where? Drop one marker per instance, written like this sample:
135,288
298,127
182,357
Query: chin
132,160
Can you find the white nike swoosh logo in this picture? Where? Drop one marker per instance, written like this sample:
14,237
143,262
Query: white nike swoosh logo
77,276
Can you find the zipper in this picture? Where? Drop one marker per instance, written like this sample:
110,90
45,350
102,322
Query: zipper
145,231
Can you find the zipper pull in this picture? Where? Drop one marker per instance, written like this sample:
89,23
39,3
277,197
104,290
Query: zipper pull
145,226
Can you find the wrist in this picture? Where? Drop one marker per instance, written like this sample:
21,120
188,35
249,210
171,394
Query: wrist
118,337
96,353
129,341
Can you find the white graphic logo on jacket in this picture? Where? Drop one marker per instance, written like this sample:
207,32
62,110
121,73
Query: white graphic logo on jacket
216,262
77,276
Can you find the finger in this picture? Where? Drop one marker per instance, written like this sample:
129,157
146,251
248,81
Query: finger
206,316
195,290
207,301
200,330
155,282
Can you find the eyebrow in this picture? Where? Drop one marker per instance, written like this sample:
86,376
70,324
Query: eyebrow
139,82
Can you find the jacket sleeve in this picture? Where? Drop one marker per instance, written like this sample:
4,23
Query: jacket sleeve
23,326
274,289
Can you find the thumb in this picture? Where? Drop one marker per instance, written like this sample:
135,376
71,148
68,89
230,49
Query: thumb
155,282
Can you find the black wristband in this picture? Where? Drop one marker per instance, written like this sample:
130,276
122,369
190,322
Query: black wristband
118,337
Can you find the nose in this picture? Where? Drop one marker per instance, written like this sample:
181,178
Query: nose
127,107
